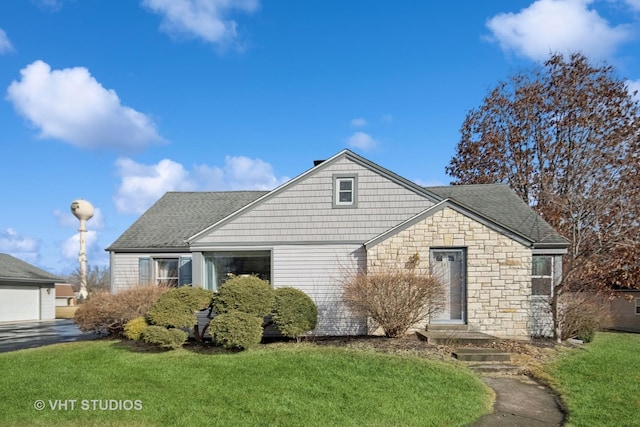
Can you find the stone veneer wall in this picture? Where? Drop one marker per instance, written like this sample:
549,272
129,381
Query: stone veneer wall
498,268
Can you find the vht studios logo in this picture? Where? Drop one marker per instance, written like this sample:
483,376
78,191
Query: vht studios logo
88,405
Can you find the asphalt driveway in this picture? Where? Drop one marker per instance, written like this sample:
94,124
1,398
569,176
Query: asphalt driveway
18,336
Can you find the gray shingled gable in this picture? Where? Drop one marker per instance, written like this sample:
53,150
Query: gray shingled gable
176,216
319,165
15,271
500,204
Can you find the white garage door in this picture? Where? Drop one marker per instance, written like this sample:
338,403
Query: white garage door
19,303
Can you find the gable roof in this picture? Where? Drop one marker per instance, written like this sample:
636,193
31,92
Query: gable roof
15,271
500,204
319,165
177,216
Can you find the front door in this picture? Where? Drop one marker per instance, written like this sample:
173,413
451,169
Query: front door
448,266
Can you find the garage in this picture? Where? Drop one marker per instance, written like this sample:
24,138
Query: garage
19,303
26,291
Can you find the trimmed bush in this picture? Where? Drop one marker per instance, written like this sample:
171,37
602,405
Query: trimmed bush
248,294
163,337
135,328
294,312
108,313
236,330
177,307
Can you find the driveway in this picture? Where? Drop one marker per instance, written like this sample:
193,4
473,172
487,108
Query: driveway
18,336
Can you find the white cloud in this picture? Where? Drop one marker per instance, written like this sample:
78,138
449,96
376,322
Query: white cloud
634,85
563,26
238,173
24,248
51,5
204,19
142,185
67,219
70,248
363,141
5,44
358,122
70,105
633,4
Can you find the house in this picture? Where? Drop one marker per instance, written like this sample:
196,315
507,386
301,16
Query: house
625,311
64,295
499,261
26,292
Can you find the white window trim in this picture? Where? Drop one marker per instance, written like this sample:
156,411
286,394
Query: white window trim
353,179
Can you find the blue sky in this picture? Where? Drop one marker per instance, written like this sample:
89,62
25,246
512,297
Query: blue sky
118,102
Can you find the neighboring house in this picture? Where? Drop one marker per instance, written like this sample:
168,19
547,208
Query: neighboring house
26,292
499,261
64,295
625,311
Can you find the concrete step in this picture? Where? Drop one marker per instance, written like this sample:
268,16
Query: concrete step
496,368
481,355
447,327
455,337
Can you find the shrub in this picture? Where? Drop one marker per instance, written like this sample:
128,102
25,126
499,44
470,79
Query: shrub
176,308
581,314
248,294
135,328
163,337
294,313
394,299
236,330
108,313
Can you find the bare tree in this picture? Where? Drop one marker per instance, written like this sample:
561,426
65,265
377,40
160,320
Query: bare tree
98,279
566,137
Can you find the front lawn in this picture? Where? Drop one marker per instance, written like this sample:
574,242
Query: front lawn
599,382
108,383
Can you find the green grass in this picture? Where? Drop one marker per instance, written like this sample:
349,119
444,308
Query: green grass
600,382
285,385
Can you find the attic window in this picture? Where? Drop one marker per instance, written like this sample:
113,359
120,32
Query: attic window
345,191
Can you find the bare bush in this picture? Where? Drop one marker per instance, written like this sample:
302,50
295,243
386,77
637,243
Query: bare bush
581,314
109,313
395,299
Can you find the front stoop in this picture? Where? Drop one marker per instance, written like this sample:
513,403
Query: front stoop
454,335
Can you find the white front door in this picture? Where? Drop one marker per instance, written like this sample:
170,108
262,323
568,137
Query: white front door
448,266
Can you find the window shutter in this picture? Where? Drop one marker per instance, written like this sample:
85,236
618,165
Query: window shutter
144,271
185,277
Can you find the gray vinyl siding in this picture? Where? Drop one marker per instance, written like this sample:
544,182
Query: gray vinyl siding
317,271
303,212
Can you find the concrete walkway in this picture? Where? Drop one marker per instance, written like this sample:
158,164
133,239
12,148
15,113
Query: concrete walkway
521,402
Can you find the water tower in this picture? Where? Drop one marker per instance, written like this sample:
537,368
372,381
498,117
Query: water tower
82,210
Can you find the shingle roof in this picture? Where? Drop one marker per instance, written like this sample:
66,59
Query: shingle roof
15,271
178,216
500,204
